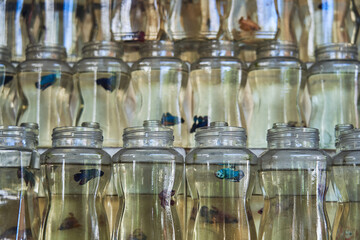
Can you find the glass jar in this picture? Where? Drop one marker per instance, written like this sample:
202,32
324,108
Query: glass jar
221,175
218,79
159,80
77,171
275,85
346,175
339,129
103,79
334,90
8,98
45,85
188,50
151,172
294,179
19,183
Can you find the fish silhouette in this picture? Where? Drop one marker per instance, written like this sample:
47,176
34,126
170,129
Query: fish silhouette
27,176
46,81
86,175
15,233
214,215
7,79
137,235
169,120
69,223
248,24
163,196
107,83
323,6
230,174
199,122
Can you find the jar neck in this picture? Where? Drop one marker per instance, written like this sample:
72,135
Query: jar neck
293,143
77,142
148,142
45,52
218,49
158,49
5,54
277,49
350,140
343,51
18,137
86,137
221,141
102,49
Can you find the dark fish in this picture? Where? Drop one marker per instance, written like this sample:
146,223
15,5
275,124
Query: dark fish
27,176
170,120
214,215
163,196
230,174
199,122
137,235
323,6
46,81
141,36
260,211
7,79
69,223
86,175
108,84
12,232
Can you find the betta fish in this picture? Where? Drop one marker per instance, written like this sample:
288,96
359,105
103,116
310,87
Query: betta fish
199,122
230,174
215,215
6,79
323,6
163,198
108,84
46,81
170,120
27,176
137,235
86,175
15,233
248,24
69,223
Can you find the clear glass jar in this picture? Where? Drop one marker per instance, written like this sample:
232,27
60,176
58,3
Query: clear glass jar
77,171
339,129
275,85
346,173
159,80
151,172
103,79
294,179
19,183
45,85
188,50
221,175
218,79
8,97
334,90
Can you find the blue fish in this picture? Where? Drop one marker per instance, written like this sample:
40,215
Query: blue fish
199,122
27,176
86,175
323,6
137,235
108,84
230,174
7,79
47,81
170,120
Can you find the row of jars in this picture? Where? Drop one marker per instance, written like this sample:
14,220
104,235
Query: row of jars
102,88
71,23
157,194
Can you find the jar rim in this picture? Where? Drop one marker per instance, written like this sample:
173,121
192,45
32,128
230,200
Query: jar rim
102,45
77,132
339,47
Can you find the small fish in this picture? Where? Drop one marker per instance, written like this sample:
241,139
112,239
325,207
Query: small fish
260,211
47,81
86,175
7,79
323,6
69,223
230,174
163,196
137,235
108,84
248,25
214,215
199,122
27,176
170,120
12,232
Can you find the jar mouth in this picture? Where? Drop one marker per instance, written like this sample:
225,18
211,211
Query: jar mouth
103,48
277,49
336,47
218,48
293,133
157,132
221,131
160,48
19,132
350,135
77,132
46,48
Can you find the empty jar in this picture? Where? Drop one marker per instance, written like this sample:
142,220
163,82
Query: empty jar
77,171
150,172
334,90
275,85
45,86
294,179
19,183
103,79
221,175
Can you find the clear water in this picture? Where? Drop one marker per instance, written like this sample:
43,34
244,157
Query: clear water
273,95
220,207
76,209
157,93
8,99
99,94
334,100
294,205
45,103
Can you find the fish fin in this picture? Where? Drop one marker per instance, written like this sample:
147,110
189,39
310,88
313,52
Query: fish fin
83,181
